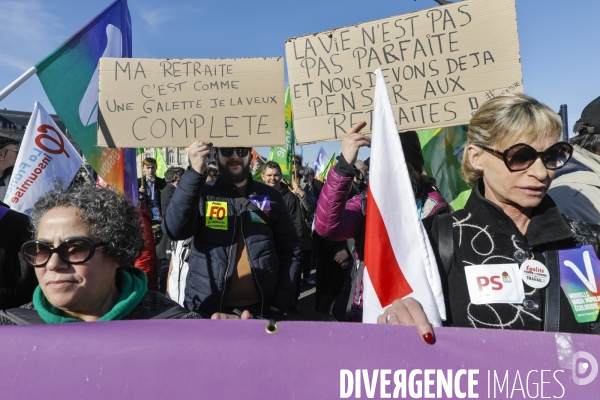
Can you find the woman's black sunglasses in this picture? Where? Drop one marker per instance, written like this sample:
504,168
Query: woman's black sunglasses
240,151
75,250
520,157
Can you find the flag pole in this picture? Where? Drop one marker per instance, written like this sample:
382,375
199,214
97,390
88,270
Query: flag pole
88,172
18,82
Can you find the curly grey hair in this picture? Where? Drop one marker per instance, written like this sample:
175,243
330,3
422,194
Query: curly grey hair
107,214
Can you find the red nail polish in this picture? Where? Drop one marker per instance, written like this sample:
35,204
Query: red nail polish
428,338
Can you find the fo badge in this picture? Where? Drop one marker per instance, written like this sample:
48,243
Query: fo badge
216,215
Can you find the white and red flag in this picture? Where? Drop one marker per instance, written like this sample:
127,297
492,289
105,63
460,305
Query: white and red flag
399,261
45,157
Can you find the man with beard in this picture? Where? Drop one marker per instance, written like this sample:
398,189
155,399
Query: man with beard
272,176
245,252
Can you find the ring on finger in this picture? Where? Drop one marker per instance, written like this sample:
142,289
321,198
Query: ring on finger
197,146
389,316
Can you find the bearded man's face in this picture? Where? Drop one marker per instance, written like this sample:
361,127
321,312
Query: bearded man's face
233,169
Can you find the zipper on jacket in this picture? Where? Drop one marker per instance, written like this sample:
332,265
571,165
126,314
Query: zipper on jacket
228,261
262,300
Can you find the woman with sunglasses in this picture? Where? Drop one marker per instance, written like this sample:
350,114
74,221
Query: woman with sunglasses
510,158
86,238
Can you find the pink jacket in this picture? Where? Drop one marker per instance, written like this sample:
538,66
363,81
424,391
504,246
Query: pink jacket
337,219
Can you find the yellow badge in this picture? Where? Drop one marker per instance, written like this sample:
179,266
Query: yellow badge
216,215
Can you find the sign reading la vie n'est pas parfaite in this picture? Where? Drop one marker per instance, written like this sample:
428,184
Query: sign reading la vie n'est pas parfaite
172,102
440,65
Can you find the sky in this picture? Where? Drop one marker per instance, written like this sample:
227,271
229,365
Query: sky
559,57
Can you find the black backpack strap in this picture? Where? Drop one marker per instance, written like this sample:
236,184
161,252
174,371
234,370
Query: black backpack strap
248,204
552,309
22,316
445,240
168,312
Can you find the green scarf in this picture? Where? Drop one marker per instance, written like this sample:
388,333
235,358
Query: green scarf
130,280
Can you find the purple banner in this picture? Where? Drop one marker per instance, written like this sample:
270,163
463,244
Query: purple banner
302,360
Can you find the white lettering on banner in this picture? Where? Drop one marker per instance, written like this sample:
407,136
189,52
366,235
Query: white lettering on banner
428,383
22,189
442,384
110,161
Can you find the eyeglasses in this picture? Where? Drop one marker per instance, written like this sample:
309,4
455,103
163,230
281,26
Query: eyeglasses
75,250
241,151
520,157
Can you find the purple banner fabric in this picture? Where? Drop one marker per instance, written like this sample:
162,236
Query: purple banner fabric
302,360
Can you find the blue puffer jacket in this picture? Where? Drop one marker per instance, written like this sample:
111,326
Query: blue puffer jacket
274,254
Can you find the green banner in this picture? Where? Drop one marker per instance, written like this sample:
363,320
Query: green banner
323,177
161,165
284,156
442,151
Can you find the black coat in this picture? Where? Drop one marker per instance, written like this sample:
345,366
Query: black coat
153,304
484,234
165,197
165,242
317,186
293,205
273,253
330,274
17,279
159,185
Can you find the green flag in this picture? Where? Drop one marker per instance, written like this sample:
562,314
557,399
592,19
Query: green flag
138,151
323,176
161,165
257,176
284,156
443,151
69,76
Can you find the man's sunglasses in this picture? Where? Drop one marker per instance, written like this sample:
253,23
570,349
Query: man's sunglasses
75,250
241,151
520,157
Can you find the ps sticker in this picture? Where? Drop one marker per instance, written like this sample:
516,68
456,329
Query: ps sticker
535,274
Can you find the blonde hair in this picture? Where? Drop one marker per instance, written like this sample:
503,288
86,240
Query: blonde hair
507,120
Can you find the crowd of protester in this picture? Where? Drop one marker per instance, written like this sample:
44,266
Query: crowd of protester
209,241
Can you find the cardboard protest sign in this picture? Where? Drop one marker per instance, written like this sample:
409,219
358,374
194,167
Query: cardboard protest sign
440,65
157,103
